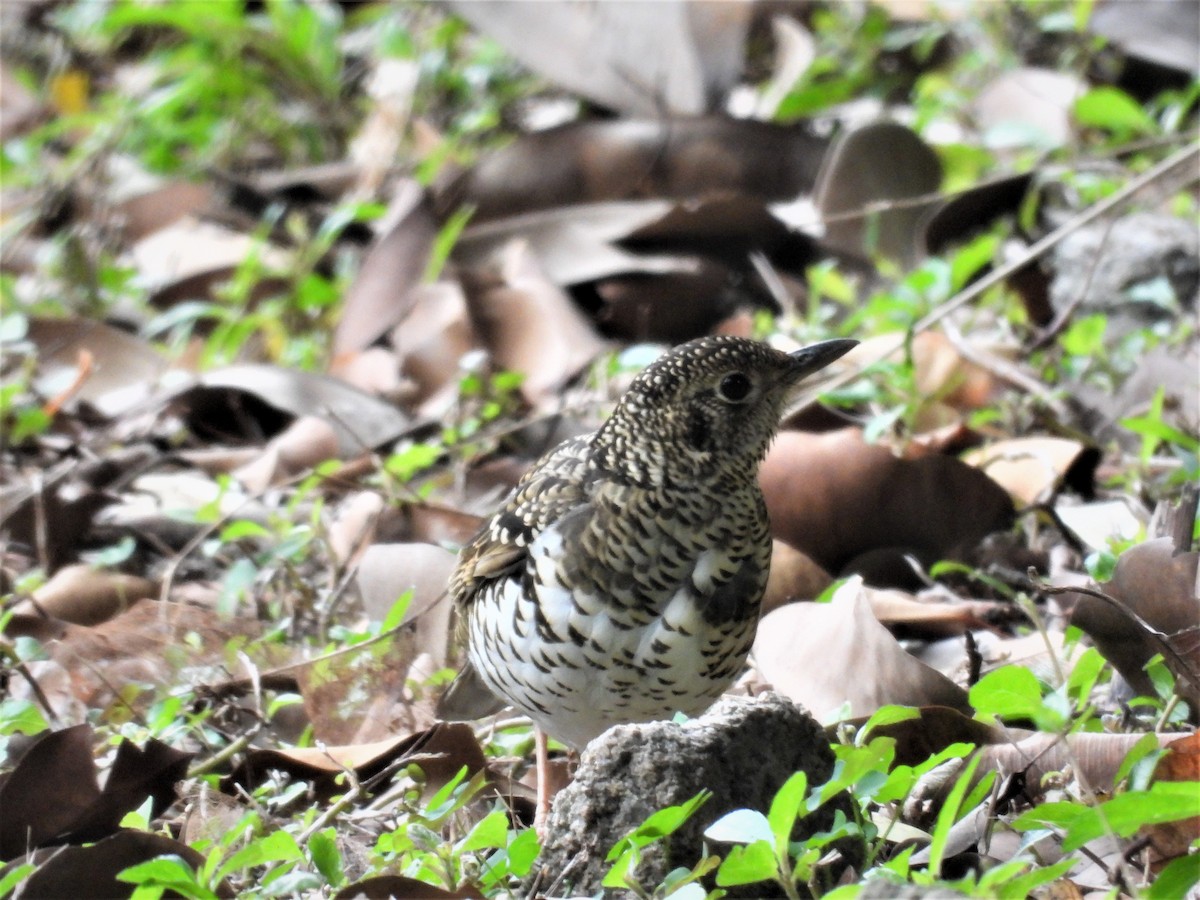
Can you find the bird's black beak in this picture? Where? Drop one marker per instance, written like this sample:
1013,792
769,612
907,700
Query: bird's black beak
817,356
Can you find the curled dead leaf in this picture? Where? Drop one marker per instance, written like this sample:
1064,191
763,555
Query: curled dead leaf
829,655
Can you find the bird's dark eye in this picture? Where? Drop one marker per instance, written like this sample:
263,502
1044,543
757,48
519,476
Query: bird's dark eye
735,386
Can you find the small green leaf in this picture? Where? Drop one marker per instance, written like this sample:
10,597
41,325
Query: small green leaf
659,825
395,616
1146,746
242,528
490,831
1166,801
278,846
785,807
887,715
748,864
326,856
1177,879
1113,110
1007,692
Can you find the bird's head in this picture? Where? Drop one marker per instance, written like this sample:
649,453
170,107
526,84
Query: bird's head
708,408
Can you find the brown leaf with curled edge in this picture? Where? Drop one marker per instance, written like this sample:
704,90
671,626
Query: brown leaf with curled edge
933,615
879,162
1162,34
1157,602
1095,757
634,58
574,243
631,159
430,342
529,323
824,655
187,259
378,297
51,796
83,595
387,571
309,440
149,211
92,871
124,371
256,401
837,499
1033,468
440,751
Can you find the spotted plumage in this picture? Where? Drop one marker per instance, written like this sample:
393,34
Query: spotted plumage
622,579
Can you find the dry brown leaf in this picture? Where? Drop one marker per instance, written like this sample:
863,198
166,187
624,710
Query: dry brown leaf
430,343
1158,586
151,211
353,525
837,498
1181,762
635,58
877,162
933,615
530,324
441,751
83,595
378,297
51,796
1033,468
188,258
829,655
256,401
92,871
359,695
298,448
793,576
121,371
628,159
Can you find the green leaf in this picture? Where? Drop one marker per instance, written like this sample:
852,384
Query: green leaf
170,872
1166,801
742,826
659,825
1147,746
242,528
748,864
1176,879
948,815
278,846
522,851
886,715
1008,692
13,877
326,856
1113,110
785,807
395,615
490,831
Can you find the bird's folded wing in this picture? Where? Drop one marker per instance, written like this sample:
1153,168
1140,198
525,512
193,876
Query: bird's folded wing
558,485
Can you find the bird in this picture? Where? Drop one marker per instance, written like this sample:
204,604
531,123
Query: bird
622,578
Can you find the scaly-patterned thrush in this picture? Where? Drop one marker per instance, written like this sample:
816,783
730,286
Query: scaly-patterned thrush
622,579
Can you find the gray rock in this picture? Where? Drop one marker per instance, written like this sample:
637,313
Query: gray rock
743,750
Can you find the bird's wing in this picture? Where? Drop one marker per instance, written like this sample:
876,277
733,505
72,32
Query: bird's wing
559,484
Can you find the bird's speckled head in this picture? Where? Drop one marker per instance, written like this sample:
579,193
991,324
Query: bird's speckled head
706,409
